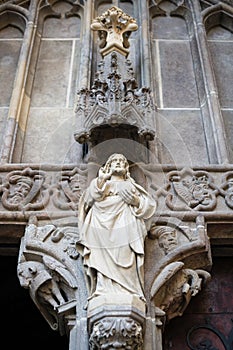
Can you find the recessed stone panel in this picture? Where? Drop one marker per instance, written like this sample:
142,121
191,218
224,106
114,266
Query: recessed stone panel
74,71
71,28
49,136
222,57
9,55
172,28
182,138
228,121
178,80
52,74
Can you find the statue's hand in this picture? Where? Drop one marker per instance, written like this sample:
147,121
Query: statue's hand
103,176
130,197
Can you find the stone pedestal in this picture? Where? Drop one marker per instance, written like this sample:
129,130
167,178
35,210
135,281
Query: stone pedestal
116,321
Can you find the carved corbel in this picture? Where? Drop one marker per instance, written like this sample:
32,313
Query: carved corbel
175,286
182,264
49,267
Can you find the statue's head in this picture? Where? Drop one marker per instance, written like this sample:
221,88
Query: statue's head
21,186
118,158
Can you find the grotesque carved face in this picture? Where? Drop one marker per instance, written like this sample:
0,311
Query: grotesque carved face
20,191
168,240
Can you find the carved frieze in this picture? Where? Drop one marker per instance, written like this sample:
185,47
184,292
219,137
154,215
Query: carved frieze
226,188
25,190
188,189
49,192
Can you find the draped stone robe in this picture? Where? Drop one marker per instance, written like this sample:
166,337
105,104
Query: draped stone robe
112,235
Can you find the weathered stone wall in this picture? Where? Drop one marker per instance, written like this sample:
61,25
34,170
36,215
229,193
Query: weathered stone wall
182,51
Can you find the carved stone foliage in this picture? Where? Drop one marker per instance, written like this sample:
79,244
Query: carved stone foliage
116,333
183,255
49,267
188,189
114,28
68,190
25,190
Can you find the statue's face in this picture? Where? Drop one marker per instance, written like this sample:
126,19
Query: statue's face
19,192
118,165
168,241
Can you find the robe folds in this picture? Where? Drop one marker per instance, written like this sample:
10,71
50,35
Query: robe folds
112,235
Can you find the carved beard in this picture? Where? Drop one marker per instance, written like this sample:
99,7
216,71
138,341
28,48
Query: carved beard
119,171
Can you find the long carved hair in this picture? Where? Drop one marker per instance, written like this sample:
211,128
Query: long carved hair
108,163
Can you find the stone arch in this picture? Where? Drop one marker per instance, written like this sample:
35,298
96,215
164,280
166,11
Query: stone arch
13,21
218,15
11,15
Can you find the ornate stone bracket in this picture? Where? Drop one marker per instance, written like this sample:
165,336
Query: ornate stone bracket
49,266
115,99
182,265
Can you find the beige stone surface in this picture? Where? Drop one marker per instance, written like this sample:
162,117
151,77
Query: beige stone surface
49,136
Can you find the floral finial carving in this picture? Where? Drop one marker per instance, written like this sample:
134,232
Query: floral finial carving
114,28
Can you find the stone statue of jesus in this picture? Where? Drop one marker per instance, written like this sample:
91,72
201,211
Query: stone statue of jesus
114,213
